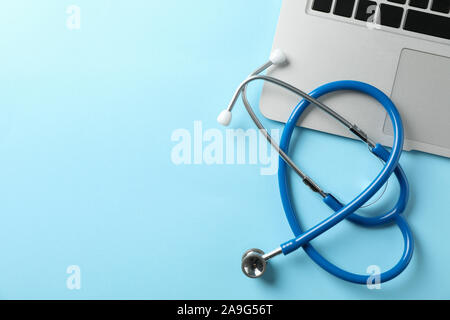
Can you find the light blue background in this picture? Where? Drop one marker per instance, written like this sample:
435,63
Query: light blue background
87,179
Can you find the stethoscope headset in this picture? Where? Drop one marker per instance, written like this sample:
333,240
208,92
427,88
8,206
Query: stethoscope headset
254,260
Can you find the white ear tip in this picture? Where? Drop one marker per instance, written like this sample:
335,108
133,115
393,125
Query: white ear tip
224,118
278,57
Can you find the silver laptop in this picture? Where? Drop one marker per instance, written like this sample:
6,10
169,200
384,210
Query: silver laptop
400,46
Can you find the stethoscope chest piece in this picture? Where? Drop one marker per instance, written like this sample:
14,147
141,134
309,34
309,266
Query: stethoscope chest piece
253,263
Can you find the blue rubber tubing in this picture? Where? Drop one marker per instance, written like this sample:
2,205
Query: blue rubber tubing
341,212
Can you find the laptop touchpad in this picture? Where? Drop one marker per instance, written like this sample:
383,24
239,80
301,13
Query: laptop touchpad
422,95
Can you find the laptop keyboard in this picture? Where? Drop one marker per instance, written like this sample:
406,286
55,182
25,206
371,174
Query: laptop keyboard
428,17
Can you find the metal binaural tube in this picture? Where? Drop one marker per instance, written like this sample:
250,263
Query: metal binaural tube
242,87
293,89
242,90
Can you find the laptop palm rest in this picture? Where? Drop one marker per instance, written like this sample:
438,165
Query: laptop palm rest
421,92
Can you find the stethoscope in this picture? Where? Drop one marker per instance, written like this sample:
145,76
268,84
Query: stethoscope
254,260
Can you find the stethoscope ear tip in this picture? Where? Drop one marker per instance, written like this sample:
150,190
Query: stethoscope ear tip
278,57
224,117
253,263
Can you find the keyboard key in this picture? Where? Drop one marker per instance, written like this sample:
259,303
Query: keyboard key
423,4
391,16
430,24
322,5
398,1
366,9
344,8
441,6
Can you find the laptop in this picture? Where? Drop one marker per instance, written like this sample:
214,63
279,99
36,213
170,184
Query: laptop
400,46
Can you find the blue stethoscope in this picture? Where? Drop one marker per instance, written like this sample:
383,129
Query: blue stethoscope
254,260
